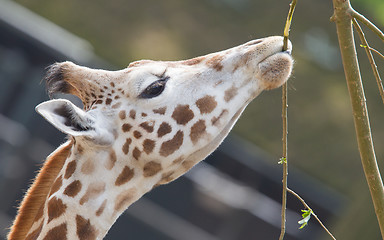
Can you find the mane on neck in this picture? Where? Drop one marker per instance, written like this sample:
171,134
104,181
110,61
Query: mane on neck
38,191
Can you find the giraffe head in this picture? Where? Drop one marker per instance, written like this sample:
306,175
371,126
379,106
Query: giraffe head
165,116
162,117
142,126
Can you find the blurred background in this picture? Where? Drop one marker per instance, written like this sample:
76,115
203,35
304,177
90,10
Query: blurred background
236,192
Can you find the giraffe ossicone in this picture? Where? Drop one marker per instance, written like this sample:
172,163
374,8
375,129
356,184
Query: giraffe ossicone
141,127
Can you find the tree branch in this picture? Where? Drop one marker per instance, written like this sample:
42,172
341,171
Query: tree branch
312,212
368,23
284,159
343,14
370,58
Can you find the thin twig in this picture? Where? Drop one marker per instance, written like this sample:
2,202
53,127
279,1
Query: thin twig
288,23
370,58
312,212
375,51
368,23
285,125
284,160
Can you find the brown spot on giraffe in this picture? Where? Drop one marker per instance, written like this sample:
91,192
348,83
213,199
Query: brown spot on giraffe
99,101
182,114
230,93
73,188
215,62
215,120
218,83
56,208
125,149
166,177
108,101
132,114
80,149
193,61
151,168
126,127
206,104
84,229
35,234
88,167
144,114
56,185
94,189
111,160
122,115
136,153
71,167
197,131
116,105
100,210
148,146
160,111
137,134
164,129
125,176
243,61
58,232
147,126
178,160
170,146
124,199
138,63
188,164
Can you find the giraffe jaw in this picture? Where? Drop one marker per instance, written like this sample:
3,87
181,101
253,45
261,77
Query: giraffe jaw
203,152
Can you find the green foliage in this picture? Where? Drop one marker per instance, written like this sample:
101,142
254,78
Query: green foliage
306,216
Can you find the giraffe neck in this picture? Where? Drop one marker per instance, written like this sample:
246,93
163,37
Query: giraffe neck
84,200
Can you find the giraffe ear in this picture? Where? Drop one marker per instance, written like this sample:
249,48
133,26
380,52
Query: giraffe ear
72,120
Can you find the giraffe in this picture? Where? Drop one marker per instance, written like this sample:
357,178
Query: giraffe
140,127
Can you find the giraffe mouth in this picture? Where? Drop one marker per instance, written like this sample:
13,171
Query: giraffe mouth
275,69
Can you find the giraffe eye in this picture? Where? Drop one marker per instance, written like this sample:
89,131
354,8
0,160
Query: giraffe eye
154,89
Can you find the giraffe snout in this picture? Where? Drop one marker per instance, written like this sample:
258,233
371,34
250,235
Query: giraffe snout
276,65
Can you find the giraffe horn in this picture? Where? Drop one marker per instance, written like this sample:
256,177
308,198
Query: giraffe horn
55,80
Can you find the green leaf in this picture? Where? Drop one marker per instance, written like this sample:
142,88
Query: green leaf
306,216
282,160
